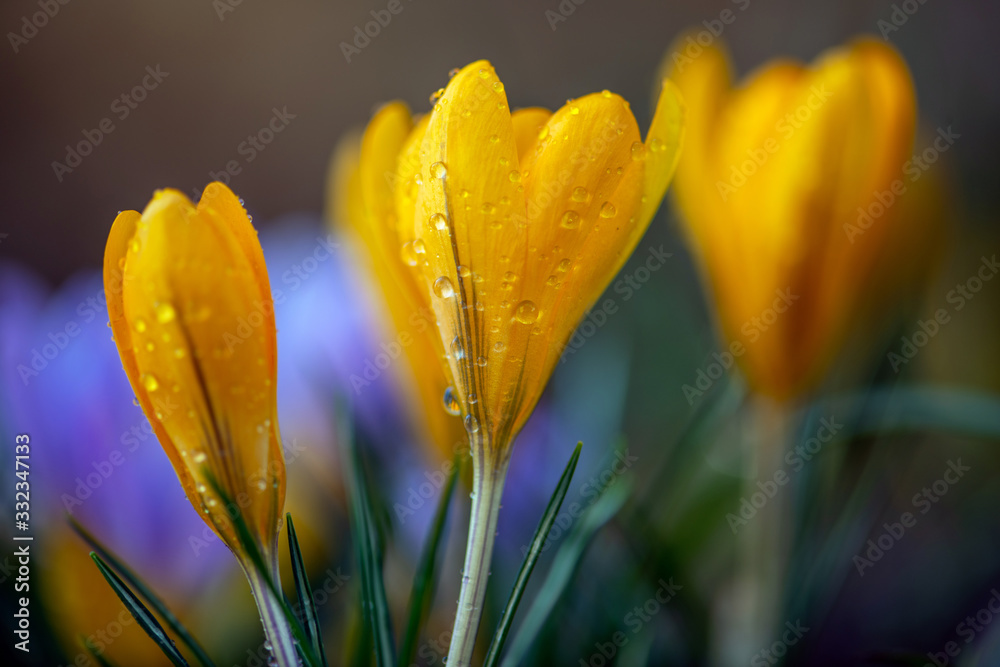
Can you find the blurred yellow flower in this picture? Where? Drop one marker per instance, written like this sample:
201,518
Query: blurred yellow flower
361,199
192,315
789,191
515,223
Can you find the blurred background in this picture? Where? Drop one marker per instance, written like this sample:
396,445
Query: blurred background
257,94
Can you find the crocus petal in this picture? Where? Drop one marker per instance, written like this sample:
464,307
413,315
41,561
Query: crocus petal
360,179
817,143
193,319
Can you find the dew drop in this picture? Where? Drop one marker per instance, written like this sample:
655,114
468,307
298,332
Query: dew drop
150,382
515,176
484,73
574,111
608,210
451,402
439,221
606,93
498,346
488,208
439,170
199,457
564,265
526,312
464,271
471,424
656,145
140,325
408,254
638,151
165,313
570,220
579,194
498,86
457,349
481,362
443,288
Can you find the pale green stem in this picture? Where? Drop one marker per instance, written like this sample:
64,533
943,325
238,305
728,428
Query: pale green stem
276,629
751,613
487,488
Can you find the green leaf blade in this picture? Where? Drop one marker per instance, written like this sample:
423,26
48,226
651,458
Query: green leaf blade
304,591
143,616
530,559
422,594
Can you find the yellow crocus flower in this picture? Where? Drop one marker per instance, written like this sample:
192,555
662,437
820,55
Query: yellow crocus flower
789,192
513,224
516,222
192,315
361,201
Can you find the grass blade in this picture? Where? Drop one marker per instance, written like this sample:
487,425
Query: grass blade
146,593
249,545
312,628
423,589
564,566
143,616
537,542
369,555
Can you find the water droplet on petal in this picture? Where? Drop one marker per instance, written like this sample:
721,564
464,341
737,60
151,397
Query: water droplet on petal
199,457
526,312
638,151
439,221
515,176
443,288
165,313
408,254
140,324
608,210
439,170
150,382
457,349
451,402
579,194
570,220
471,424
498,86
488,208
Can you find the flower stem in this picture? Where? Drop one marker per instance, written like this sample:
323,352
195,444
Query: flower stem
276,629
487,489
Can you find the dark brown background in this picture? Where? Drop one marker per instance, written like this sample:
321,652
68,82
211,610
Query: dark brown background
226,75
